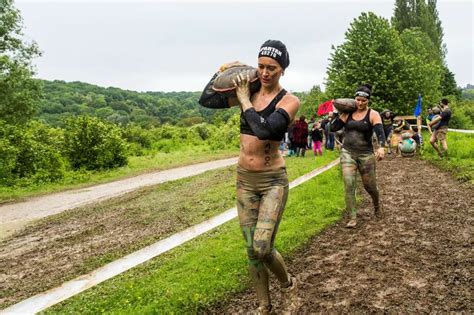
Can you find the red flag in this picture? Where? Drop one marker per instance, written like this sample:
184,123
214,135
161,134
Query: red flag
325,108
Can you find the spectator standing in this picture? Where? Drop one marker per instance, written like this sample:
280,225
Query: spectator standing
317,138
324,122
310,127
329,134
300,136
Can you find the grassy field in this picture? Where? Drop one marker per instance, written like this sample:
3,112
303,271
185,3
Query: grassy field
461,155
213,266
137,165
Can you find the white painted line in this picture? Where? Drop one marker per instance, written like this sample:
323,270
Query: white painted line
300,180
454,130
46,299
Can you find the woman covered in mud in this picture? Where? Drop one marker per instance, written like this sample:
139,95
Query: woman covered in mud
357,152
262,182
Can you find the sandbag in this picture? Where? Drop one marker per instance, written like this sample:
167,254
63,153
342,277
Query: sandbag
407,147
345,105
224,84
435,126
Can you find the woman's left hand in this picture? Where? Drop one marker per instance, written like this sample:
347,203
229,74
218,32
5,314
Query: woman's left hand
380,153
242,84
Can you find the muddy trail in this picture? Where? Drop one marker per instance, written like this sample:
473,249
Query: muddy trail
417,258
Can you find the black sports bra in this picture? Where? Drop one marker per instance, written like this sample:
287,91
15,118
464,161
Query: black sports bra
267,111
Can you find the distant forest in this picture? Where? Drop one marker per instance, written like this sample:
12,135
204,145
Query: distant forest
146,109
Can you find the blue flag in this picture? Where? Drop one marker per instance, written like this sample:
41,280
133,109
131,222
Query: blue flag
417,111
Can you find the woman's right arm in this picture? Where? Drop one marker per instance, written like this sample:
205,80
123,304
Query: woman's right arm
338,122
211,99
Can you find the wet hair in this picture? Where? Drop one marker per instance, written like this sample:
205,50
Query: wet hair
444,101
276,50
302,117
364,90
414,128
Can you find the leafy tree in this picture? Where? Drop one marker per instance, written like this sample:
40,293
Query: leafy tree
423,68
94,144
19,92
29,154
421,14
448,84
311,100
374,53
467,94
424,15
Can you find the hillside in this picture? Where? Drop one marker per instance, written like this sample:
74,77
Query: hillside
62,99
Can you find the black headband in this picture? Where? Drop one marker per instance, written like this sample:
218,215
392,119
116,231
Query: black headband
275,50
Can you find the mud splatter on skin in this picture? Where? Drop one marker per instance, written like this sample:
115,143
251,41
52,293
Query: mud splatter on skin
417,258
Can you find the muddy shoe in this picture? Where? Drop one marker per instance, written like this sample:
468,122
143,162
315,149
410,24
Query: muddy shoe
351,224
264,310
290,301
378,212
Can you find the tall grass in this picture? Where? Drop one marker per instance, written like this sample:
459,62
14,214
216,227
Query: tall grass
461,155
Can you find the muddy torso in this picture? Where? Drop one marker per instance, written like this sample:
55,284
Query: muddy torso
255,154
358,133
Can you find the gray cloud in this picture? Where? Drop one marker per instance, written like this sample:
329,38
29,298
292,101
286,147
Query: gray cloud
177,46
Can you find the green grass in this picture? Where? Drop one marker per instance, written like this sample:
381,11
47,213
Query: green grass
461,155
156,212
212,267
137,165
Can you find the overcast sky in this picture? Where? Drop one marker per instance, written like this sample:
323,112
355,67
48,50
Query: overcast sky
177,45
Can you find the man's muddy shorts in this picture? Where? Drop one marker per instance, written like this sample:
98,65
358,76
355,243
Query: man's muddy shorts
440,133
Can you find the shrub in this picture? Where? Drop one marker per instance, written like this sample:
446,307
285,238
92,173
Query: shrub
94,144
138,139
29,154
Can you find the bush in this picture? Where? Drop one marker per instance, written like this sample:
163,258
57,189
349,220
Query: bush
463,115
94,144
138,139
29,154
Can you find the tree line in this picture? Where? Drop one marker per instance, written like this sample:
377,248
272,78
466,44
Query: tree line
146,109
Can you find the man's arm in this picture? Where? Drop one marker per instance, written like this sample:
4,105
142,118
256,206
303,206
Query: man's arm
434,121
428,124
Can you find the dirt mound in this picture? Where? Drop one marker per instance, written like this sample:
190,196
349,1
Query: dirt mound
417,258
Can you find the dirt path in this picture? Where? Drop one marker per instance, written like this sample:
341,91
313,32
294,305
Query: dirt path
14,216
417,258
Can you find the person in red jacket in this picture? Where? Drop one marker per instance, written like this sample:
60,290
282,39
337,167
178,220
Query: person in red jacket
300,136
